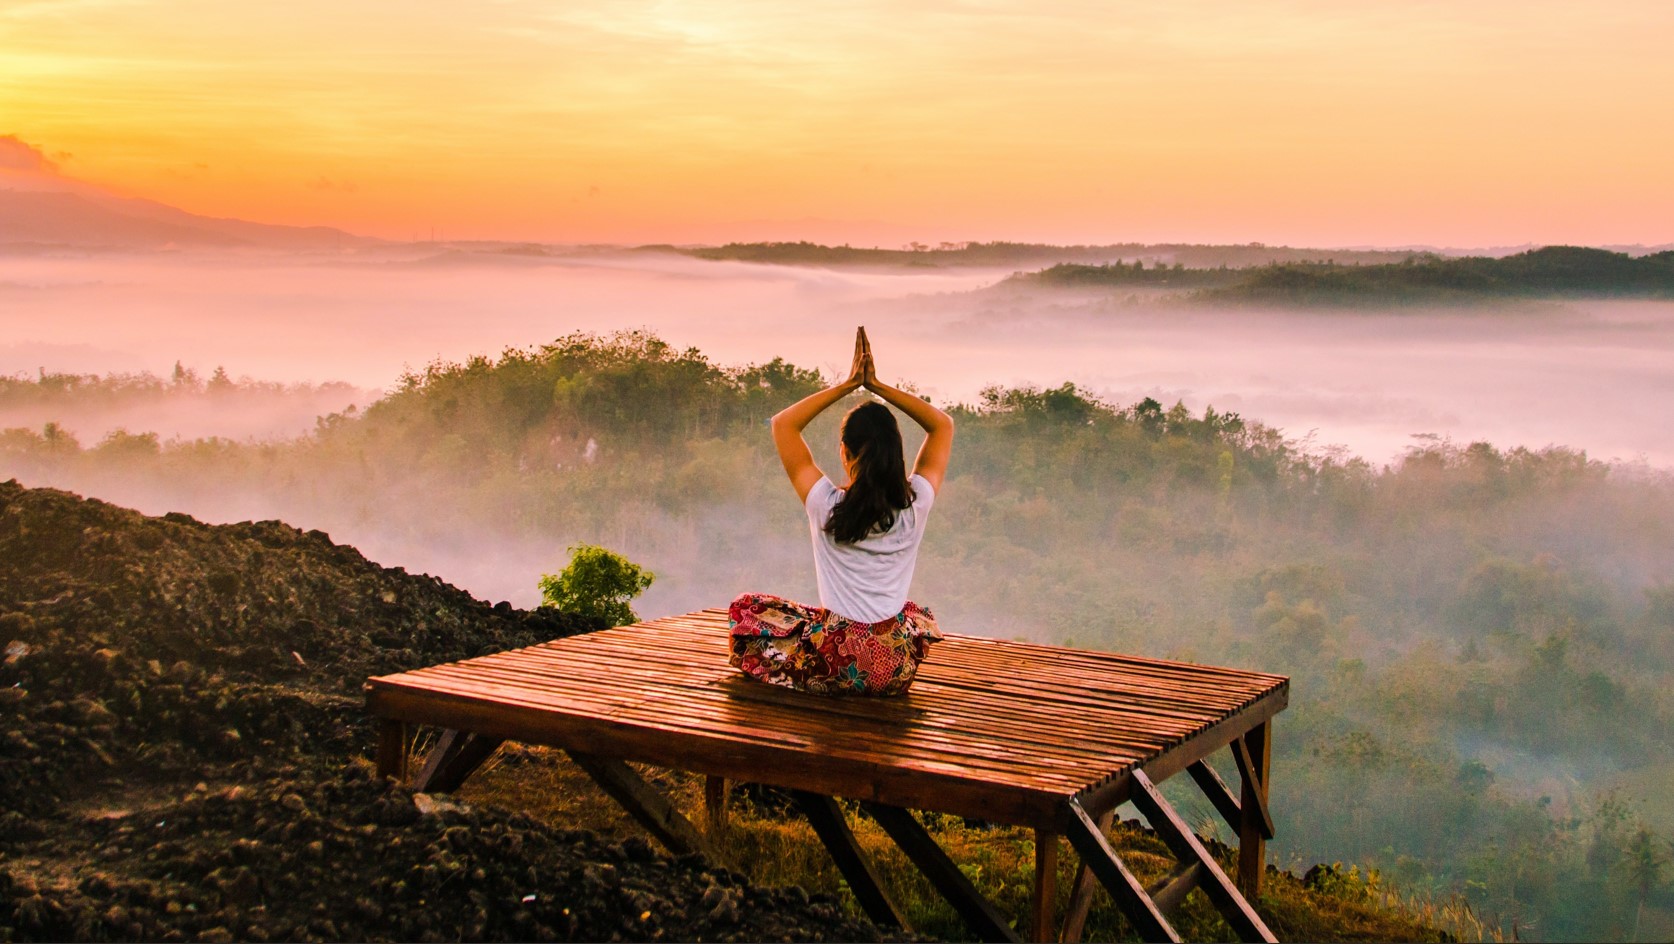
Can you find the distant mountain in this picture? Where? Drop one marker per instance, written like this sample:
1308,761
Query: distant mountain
1004,254
93,221
1548,272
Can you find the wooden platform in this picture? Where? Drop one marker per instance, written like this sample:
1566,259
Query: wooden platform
1038,736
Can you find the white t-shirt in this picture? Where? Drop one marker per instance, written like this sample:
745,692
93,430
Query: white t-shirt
867,581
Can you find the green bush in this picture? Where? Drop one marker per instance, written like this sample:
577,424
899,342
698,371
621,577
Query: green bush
597,584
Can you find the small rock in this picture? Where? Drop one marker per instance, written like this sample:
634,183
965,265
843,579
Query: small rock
430,805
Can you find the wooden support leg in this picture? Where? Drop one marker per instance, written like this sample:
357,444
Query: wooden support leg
392,750
715,801
645,804
1254,752
827,819
1094,849
1185,845
456,756
1042,927
977,911
1081,894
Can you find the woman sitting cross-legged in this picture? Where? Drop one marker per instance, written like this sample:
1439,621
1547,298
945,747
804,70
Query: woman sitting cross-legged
865,637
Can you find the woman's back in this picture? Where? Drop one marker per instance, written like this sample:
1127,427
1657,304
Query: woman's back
867,580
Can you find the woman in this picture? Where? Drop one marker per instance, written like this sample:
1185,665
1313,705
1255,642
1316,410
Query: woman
865,637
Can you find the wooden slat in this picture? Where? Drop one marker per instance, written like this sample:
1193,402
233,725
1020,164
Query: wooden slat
728,756
998,729
1058,690
831,743
972,663
1144,705
1050,662
1152,747
977,911
1185,845
1113,791
1055,671
560,689
856,867
961,747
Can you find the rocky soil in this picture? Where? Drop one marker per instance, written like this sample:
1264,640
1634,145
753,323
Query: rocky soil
182,757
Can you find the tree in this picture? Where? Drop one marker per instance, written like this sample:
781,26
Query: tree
1644,864
184,378
598,584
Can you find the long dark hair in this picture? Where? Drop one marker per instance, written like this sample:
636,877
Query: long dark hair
879,490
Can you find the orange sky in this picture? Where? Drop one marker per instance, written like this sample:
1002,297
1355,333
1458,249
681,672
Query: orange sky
1329,123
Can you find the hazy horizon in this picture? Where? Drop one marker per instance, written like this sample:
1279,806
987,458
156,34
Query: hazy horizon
1587,374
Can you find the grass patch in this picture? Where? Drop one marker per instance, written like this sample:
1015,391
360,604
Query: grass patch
778,847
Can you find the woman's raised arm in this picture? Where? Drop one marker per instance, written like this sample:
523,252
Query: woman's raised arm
789,423
937,450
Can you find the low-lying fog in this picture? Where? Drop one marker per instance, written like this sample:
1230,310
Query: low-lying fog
1594,375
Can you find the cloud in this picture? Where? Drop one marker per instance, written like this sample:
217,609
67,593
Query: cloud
17,154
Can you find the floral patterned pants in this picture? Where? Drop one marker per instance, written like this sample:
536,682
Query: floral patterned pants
812,649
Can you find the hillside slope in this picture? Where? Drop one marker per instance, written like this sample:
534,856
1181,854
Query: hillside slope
184,760
96,221
181,759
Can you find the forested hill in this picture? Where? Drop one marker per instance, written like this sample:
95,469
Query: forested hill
1020,255
1551,272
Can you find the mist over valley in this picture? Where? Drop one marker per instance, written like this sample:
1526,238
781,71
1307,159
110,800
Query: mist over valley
1588,373
1451,525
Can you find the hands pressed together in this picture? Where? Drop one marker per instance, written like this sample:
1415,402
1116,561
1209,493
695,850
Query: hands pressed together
788,423
864,371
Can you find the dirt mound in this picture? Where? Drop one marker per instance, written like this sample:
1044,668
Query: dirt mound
147,658
353,858
137,643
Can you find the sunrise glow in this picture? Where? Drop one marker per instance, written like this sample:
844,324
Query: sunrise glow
1304,122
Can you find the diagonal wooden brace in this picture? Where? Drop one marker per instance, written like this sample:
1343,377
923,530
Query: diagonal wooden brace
1171,890
976,910
456,756
1186,846
1081,892
829,824
1220,795
1247,770
645,804
1095,850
